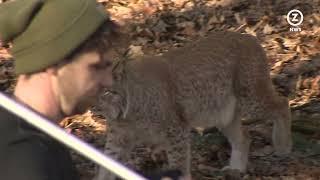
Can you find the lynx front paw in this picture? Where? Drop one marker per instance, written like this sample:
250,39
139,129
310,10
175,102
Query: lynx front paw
230,168
283,150
232,173
282,143
239,157
104,175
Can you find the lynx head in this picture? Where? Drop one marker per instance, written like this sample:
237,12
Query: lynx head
111,105
114,102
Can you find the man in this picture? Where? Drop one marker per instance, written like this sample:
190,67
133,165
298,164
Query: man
62,52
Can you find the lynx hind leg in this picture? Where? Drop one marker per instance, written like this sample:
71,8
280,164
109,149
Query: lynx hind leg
179,151
239,142
258,97
281,133
273,108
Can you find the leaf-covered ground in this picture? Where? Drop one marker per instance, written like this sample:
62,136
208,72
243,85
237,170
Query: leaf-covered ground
155,26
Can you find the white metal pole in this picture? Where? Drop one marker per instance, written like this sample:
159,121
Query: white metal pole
68,139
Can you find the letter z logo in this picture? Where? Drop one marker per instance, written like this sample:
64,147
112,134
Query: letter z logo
295,17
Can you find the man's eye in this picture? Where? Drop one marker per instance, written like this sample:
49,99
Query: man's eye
101,66
108,64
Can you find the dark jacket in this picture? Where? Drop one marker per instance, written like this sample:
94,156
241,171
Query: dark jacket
28,154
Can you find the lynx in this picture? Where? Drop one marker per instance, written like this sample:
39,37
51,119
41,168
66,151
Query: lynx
213,82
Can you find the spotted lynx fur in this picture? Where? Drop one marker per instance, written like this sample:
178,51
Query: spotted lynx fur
214,82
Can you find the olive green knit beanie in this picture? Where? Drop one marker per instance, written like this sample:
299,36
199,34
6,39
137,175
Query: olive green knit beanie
43,32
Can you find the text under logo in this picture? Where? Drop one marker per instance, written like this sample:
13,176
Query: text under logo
295,18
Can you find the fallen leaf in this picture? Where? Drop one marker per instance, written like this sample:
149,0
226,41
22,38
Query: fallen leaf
267,29
135,51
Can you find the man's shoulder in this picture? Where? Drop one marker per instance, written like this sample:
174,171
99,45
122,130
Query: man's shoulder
4,114
14,129
8,123
24,147
31,158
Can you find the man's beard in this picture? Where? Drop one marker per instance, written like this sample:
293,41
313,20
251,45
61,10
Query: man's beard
73,103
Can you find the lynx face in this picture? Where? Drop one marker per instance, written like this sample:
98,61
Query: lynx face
213,82
114,106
